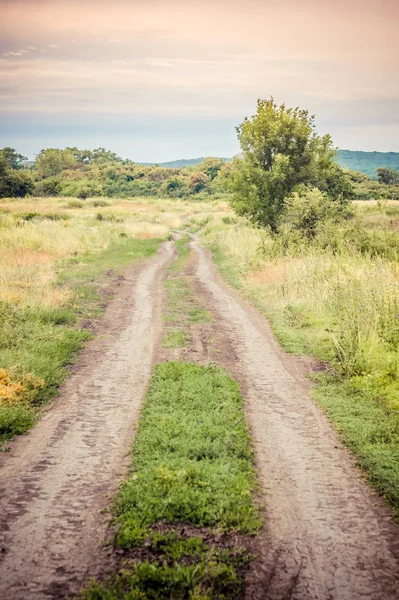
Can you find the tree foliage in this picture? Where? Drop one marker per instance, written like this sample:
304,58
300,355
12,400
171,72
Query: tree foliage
13,158
306,212
281,153
53,161
14,183
388,176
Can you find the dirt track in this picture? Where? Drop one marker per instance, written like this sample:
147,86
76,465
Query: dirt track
57,479
326,535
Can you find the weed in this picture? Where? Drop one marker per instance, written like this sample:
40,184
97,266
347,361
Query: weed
174,338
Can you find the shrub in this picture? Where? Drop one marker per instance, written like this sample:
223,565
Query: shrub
75,204
307,211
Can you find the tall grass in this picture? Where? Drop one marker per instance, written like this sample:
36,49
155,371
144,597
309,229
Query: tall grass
340,304
342,308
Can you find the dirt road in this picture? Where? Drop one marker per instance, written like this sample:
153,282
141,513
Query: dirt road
58,478
326,536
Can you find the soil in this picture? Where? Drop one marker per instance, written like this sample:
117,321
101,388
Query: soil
326,535
58,480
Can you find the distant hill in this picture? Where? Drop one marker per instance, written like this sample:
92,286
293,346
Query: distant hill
181,163
367,162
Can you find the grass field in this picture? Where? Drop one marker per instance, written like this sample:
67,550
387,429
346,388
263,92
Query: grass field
342,306
56,255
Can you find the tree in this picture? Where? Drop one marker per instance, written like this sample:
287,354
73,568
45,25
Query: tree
53,161
174,186
14,160
13,182
198,182
281,153
210,166
48,187
388,176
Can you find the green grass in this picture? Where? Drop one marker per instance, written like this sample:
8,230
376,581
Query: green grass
212,576
174,338
192,456
370,431
44,342
181,301
197,314
192,466
183,253
178,294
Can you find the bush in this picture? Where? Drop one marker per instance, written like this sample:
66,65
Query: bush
305,212
14,420
100,203
48,187
14,183
75,204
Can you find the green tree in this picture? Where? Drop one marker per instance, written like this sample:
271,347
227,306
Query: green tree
388,176
210,166
13,182
281,153
52,161
14,160
198,182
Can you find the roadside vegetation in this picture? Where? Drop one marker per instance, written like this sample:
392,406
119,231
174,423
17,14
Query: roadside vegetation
324,271
185,512
58,260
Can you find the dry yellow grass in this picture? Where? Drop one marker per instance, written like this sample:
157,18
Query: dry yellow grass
30,248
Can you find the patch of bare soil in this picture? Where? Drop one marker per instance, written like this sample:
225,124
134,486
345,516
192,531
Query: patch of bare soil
57,481
326,536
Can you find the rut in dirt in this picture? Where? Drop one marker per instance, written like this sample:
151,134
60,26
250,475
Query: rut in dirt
326,536
58,480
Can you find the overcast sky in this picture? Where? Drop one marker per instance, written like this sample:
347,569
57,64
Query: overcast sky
156,80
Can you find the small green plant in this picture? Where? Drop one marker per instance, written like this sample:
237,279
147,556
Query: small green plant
174,338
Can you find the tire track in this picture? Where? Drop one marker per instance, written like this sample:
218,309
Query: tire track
58,480
327,537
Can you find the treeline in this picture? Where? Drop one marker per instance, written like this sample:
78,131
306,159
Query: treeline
365,188
99,172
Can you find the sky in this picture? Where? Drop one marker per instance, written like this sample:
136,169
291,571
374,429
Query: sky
156,80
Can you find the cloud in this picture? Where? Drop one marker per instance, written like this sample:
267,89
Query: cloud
210,60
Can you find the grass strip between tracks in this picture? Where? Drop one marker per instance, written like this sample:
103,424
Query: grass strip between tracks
189,497
183,310
37,344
